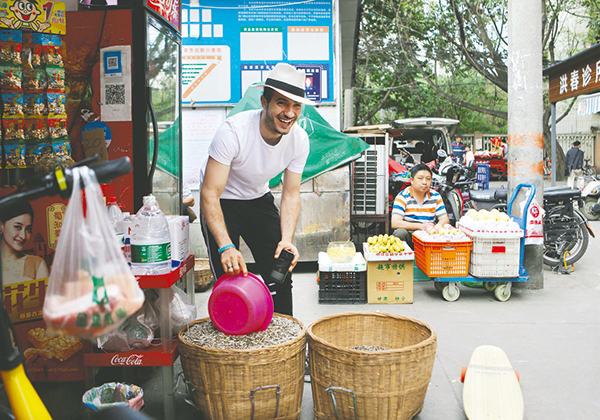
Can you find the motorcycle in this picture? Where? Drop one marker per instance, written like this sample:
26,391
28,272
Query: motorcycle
566,231
447,184
591,200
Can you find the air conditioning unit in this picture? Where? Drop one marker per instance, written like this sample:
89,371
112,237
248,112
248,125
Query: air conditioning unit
370,182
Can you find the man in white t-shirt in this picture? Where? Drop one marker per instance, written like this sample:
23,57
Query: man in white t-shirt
248,150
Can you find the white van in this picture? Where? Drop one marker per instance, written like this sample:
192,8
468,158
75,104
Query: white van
421,137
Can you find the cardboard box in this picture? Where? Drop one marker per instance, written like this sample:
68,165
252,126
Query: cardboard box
179,226
390,281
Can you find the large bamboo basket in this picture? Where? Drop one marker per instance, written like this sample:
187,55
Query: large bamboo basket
355,384
265,383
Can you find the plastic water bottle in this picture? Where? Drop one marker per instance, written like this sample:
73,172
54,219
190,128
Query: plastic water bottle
115,215
150,240
126,246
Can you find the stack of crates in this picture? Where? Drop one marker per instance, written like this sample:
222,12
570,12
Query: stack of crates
495,254
342,283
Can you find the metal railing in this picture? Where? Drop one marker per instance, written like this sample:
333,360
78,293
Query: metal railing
565,141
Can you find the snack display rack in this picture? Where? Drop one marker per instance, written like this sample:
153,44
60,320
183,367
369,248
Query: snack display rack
163,355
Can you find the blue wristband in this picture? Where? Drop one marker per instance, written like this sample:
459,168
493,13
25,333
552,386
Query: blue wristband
226,247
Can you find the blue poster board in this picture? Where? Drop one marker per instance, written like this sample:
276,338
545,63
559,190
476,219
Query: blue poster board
483,177
229,45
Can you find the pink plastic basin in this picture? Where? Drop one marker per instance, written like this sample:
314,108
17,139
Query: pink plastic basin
240,305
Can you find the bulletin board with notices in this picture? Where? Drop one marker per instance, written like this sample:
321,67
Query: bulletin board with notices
230,44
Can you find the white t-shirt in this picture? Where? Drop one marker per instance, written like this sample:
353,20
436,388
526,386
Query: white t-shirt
239,145
469,157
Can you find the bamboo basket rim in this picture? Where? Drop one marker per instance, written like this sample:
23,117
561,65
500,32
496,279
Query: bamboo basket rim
424,343
301,336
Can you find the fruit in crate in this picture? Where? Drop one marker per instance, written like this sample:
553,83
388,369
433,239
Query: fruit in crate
491,221
385,243
341,252
437,233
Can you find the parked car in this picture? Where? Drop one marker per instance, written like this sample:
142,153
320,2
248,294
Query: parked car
421,137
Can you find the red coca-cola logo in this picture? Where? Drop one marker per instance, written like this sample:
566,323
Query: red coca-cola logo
130,360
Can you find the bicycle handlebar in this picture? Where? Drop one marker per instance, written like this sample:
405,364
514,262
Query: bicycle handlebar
60,181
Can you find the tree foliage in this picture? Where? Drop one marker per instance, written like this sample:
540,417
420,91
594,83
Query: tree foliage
447,58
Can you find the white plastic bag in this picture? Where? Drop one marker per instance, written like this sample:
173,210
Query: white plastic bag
534,226
91,290
182,310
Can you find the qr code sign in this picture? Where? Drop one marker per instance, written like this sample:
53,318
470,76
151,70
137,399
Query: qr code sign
112,63
114,94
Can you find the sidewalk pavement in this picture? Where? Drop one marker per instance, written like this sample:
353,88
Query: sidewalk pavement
551,336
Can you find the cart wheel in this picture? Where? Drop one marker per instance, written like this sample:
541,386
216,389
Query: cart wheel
463,373
490,286
446,294
502,292
439,285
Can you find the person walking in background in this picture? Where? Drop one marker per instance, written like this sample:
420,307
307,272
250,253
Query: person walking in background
469,157
248,150
574,163
16,225
458,149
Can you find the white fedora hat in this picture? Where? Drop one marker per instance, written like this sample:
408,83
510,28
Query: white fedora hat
288,81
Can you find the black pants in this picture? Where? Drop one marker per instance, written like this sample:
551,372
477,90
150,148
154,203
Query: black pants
258,223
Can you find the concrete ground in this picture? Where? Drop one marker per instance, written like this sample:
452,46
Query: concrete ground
551,336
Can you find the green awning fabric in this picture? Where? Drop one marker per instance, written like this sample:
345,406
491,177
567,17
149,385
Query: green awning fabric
168,150
329,148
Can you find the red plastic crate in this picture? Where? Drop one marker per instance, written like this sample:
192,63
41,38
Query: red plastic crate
443,259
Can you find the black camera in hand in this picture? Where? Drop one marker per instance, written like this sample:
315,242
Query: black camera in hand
282,265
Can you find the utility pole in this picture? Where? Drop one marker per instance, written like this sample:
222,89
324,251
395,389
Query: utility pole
525,109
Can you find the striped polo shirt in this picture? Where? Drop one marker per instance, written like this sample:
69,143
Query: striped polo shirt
406,205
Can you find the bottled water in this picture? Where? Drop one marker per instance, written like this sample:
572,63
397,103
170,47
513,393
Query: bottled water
150,240
126,246
115,215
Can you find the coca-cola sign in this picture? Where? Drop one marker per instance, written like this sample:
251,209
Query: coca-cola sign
169,9
127,360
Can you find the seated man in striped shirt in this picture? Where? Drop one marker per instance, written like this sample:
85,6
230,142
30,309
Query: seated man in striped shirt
417,206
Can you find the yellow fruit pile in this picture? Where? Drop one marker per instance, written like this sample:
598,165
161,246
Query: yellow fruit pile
385,243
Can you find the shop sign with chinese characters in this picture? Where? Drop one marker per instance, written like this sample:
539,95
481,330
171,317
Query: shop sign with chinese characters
575,76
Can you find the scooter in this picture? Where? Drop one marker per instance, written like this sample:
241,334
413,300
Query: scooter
446,185
591,200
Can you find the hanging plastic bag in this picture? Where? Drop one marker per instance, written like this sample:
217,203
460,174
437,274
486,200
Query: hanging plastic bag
534,231
91,290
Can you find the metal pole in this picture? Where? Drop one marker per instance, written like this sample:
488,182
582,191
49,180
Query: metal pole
525,111
553,141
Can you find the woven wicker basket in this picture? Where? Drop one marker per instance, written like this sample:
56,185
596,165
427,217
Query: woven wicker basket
355,384
203,277
257,384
